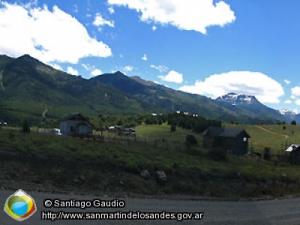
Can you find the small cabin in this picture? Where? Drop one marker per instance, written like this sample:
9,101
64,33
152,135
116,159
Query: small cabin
294,154
233,140
76,125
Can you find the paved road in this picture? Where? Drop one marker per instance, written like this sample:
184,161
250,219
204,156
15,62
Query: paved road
275,212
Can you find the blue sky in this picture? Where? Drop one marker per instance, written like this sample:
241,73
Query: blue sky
206,47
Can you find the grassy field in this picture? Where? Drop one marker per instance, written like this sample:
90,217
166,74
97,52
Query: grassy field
136,155
156,146
116,166
273,136
158,132
276,137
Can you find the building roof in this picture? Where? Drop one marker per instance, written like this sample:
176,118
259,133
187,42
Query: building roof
76,117
225,132
293,147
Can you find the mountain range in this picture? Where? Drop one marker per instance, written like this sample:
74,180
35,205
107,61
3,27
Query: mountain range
30,89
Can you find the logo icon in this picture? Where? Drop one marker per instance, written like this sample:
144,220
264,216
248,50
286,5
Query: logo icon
20,206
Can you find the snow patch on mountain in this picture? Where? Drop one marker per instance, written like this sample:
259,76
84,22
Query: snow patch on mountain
287,112
236,99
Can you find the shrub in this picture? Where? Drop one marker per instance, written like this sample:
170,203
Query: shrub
25,127
267,154
218,154
294,123
190,140
173,128
11,135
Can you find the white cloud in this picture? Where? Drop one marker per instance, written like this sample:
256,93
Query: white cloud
92,69
154,28
87,67
75,8
31,3
287,82
295,91
297,102
288,101
195,15
160,68
72,71
295,97
128,68
111,10
145,57
56,66
266,89
49,35
96,72
173,77
99,21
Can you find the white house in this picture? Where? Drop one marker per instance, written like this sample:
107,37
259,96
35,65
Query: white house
292,147
76,125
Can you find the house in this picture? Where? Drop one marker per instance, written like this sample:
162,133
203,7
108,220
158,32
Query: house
3,123
294,153
233,140
76,125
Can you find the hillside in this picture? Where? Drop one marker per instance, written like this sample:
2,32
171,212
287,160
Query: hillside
35,91
31,88
116,166
276,137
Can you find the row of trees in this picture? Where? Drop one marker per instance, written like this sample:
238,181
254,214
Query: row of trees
191,122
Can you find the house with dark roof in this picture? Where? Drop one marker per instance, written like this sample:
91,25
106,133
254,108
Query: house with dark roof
232,140
294,154
76,125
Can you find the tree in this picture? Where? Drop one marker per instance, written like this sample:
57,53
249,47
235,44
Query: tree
101,125
173,127
190,140
294,123
192,122
25,127
267,154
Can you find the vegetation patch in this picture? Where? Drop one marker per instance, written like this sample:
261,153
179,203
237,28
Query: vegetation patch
74,164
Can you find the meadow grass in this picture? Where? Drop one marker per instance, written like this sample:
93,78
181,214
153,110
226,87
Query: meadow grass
143,155
272,136
158,132
114,166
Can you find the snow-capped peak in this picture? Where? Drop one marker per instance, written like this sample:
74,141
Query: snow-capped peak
236,99
287,112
